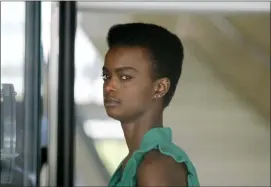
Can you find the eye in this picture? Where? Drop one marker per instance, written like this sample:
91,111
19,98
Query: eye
125,77
105,76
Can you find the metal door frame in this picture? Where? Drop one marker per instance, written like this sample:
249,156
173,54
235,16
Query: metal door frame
61,95
32,92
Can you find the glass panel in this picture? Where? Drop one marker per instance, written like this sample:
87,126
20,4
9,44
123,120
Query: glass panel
12,80
46,42
16,154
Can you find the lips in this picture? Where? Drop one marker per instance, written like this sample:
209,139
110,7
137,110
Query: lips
111,102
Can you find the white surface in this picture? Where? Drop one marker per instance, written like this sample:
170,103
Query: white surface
103,129
176,6
226,139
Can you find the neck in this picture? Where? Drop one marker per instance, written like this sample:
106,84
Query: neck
135,130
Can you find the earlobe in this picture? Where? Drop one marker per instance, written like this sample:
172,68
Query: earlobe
156,96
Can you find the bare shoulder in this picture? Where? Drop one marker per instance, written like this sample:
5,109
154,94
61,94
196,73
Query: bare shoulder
158,169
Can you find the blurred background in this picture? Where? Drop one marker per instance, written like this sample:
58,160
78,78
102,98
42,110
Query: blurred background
220,114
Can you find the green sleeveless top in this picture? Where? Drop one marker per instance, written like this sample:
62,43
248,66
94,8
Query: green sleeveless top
159,139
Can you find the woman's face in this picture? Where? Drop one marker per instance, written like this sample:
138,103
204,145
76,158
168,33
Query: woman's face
128,86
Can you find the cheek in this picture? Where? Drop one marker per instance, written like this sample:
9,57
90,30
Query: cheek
138,95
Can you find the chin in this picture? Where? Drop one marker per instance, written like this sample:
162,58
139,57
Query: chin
113,113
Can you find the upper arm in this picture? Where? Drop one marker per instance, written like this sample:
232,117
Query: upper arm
161,172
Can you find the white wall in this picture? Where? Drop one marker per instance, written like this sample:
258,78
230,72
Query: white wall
226,139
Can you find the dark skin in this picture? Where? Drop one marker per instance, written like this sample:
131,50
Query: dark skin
135,98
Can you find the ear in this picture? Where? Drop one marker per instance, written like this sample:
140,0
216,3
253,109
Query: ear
161,88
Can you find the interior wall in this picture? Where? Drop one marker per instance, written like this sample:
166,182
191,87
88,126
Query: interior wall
226,139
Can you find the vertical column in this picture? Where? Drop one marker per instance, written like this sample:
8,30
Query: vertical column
61,95
32,94
66,122
53,96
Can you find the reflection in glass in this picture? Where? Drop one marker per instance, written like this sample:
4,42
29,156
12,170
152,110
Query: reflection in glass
12,45
12,80
8,133
14,157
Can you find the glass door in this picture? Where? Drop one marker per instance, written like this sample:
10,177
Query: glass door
20,93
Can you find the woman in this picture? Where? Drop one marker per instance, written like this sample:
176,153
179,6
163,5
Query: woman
141,71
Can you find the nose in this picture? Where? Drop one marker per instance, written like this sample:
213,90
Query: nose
109,85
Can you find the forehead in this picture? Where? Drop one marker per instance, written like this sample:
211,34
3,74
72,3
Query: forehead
134,57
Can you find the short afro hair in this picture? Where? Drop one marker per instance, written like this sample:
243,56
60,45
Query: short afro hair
165,49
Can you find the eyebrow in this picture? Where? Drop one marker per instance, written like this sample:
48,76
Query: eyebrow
126,68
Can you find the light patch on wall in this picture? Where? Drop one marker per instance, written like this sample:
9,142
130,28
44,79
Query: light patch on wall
103,129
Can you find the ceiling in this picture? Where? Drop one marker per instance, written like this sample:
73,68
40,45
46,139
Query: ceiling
236,46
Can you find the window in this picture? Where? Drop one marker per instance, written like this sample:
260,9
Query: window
19,125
